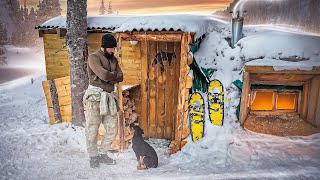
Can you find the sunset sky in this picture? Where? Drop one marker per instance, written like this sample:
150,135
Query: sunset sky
151,6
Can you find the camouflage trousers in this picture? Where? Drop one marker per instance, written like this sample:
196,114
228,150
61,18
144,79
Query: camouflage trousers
93,121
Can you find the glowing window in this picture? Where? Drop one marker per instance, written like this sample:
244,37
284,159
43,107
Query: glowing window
262,101
286,101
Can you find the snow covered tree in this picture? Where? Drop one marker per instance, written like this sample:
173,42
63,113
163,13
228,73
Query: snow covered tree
25,10
32,14
77,45
102,9
110,8
47,9
14,7
3,35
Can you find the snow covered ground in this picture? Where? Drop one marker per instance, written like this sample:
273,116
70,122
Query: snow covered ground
32,149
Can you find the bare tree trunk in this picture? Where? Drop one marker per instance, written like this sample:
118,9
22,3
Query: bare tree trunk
55,101
77,45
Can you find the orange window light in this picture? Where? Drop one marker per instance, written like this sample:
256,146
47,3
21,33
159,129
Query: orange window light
286,101
262,101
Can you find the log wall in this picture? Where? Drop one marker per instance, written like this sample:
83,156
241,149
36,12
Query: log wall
313,112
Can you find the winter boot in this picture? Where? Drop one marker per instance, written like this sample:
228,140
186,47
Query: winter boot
94,162
104,158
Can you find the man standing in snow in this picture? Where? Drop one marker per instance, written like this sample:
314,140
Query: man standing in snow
100,101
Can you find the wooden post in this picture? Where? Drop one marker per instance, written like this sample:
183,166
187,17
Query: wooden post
120,117
305,100
144,87
55,101
245,98
184,70
313,98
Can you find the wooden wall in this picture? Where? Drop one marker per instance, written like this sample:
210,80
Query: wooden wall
64,99
313,110
130,62
56,57
245,97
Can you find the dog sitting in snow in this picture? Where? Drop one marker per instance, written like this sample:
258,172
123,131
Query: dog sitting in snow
146,155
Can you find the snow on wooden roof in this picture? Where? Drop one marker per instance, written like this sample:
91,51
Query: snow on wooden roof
107,22
122,23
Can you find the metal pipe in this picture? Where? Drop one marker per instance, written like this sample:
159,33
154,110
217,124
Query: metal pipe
237,25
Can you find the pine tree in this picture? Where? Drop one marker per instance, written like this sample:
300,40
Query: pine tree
3,40
47,9
2,57
32,14
3,35
25,10
14,7
110,8
77,45
102,9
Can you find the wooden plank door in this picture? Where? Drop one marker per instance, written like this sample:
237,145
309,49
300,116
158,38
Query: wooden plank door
162,88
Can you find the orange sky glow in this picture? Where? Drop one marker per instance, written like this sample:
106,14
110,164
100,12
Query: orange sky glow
151,7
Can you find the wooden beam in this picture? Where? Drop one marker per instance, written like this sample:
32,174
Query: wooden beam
285,83
61,32
152,37
270,69
41,33
245,98
299,102
317,118
281,77
46,31
120,117
144,87
313,100
273,113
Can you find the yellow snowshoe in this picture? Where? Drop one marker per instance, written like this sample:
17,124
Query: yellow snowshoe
196,116
216,102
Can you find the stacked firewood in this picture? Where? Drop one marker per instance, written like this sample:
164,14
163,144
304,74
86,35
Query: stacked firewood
129,108
129,117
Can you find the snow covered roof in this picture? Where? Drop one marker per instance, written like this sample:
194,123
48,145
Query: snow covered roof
108,22
282,50
121,23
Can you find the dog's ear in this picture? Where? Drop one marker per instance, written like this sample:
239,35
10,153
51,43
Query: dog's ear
132,125
140,129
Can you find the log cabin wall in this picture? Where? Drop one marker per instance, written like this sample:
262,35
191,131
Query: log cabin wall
56,57
130,61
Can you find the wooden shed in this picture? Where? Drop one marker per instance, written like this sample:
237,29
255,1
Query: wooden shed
268,93
159,87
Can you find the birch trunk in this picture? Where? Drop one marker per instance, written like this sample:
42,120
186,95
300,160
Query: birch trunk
77,46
